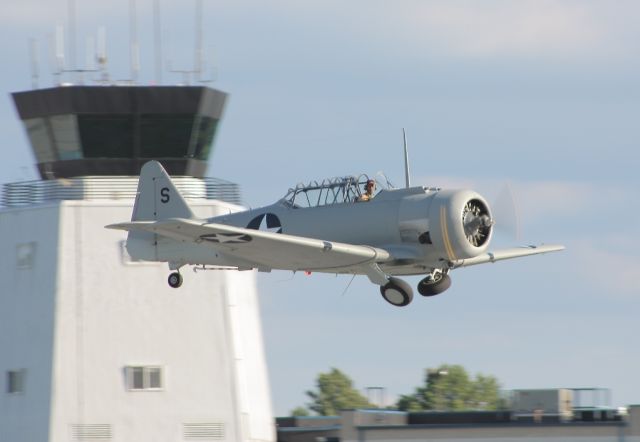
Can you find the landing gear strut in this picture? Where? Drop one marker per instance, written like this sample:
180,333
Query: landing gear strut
397,292
434,284
175,280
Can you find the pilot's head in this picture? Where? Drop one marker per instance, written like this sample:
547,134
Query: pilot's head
370,186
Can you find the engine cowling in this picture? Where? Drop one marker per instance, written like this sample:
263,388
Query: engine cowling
460,224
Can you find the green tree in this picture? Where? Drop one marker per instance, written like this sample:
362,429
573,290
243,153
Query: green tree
335,392
450,388
299,411
486,393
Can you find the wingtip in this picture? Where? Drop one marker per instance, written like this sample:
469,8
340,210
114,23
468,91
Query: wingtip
117,226
546,247
554,247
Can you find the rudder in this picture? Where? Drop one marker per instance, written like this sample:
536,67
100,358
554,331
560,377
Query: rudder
157,197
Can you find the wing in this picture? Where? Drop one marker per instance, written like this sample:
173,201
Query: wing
265,249
500,255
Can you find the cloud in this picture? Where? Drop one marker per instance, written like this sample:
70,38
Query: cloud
614,272
560,199
560,29
44,15
498,28
461,28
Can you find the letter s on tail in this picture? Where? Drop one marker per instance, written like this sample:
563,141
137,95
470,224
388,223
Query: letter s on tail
157,197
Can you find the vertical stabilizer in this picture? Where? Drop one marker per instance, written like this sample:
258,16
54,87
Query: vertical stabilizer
157,197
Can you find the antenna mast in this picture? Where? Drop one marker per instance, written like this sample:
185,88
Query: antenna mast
407,178
72,38
33,55
59,54
157,40
133,35
90,54
101,56
197,69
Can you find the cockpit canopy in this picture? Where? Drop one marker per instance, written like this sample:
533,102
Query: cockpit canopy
329,191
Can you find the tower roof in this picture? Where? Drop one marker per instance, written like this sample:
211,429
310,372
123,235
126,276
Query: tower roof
113,130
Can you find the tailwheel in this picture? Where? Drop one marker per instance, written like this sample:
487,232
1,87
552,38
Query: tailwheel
175,280
434,284
397,292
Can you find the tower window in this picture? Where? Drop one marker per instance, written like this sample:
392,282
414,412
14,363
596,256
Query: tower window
15,381
140,378
25,255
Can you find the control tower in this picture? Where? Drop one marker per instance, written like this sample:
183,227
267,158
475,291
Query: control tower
95,345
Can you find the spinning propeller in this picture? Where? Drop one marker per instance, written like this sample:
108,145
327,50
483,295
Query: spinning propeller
505,213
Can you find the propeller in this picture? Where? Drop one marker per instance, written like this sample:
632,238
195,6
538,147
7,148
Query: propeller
505,213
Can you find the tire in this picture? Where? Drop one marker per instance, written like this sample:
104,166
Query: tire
397,292
432,287
175,280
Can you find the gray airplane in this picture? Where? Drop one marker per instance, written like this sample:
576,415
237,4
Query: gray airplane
335,226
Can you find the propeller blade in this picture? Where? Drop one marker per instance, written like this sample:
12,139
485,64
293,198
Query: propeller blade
505,212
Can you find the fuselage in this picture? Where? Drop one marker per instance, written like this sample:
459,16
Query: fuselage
408,222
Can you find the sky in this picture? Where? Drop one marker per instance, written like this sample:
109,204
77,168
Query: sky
542,96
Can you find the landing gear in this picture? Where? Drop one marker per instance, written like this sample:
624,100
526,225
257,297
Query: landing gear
397,292
175,280
434,284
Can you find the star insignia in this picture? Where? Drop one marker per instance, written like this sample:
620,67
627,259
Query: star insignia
267,222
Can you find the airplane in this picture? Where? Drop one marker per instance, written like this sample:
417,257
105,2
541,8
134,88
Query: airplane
323,227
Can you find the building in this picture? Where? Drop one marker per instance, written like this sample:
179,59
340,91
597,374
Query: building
385,425
96,346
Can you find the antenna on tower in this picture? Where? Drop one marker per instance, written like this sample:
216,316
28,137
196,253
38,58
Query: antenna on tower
101,54
197,67
198,61
90,54
214,70
58,51
134,47
33,57
72,35
157,40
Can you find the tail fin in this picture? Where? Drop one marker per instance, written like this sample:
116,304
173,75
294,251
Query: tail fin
157,197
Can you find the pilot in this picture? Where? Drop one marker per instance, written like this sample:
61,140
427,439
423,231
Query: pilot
369,188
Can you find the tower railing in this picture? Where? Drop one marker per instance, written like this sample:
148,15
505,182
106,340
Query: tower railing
27,193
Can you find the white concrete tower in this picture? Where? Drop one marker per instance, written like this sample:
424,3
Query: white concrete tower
95,346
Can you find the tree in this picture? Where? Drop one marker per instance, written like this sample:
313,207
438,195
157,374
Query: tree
299,411
335,392
486,393
449,387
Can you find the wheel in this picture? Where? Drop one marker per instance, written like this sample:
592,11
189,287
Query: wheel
431,286
397,292
175,280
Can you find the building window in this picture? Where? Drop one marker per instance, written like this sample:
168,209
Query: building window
107,136
25,255
38,131
15,381
91,432
65,134
143,378
203,431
